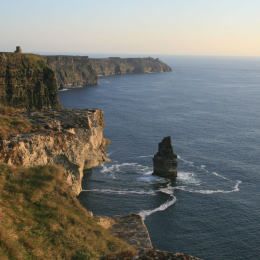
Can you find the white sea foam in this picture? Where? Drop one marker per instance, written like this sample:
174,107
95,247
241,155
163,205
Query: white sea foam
207,192
185,161
220,176
145,213
145,156
122,192
188,178
169,190
127,167
202,168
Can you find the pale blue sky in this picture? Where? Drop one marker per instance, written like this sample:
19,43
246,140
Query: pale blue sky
198,27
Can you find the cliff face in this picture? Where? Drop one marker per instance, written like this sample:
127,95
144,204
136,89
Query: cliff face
72,71
118,66
75,71
27,81
70,138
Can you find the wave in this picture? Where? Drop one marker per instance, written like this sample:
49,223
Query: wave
187,178
220,176
202,168
145,156
145,213
122,192
185,161
187,189
127,167
169,190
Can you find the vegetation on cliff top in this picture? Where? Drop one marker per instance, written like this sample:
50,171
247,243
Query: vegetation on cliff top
12,122
41,219
26,81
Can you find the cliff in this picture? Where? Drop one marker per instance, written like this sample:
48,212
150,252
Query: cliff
72,71
71,138
43,156
75,71
31,81
118,66
26,81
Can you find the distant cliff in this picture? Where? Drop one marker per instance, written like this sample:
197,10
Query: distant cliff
72,71
75,71
27,81
118,66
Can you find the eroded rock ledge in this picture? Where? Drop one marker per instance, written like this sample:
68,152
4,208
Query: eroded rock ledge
71,138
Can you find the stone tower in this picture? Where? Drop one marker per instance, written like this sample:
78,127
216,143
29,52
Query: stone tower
18,49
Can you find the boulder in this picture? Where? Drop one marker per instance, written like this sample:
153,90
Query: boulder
165,160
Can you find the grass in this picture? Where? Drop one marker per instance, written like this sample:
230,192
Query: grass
40,219
12,122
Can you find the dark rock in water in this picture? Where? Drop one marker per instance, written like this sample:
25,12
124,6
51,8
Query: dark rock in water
165,160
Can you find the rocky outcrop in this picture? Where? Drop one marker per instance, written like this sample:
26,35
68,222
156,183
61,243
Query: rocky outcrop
70,138
26,81
151,254
132,229
119,66
72,71
165,160
77,71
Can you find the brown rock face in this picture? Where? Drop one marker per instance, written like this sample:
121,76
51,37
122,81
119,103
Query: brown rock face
120,66
165,160
27,82
71,138
132,229
72,71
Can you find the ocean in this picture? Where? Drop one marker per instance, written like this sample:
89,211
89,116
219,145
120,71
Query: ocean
211,109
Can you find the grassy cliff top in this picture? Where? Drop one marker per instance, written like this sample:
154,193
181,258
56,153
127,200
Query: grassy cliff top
41,219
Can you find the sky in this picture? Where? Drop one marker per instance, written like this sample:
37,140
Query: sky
170,27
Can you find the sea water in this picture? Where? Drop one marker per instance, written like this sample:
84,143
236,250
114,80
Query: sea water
211,108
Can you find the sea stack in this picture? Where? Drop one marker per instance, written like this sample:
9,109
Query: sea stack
165,160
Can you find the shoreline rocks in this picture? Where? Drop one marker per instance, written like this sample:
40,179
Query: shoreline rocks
165,160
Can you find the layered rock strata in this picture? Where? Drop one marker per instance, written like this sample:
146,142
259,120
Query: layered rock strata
76,71
71,138
27,81
118,66
165,160
73,71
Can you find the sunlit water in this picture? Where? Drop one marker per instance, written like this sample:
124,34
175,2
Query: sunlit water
211,108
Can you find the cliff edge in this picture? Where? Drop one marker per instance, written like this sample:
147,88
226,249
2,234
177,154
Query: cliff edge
27,81
71,138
